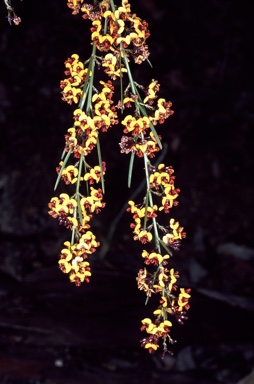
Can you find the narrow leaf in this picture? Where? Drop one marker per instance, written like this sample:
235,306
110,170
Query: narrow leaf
130,169
100,164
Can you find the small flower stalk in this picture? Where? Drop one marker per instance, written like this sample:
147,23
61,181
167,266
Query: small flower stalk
119,40
11,15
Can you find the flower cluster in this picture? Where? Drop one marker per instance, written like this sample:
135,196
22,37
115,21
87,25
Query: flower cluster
143,138
159,328
162,280
143,141
75,214
72,258
123,30
74,5
83,136
118,37
71,86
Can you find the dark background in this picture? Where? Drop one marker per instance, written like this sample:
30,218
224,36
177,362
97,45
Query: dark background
52,332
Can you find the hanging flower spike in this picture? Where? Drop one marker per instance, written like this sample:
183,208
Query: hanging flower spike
119,40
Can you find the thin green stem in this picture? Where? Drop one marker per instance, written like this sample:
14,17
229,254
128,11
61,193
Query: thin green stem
8,5
146,207
81,160
100,164
112,5
88,84
132,158
133,88
121,80
73,228
90,90
62,168
155,228
165,247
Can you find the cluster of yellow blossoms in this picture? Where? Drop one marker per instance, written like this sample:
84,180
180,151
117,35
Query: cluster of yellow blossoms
76,78
119,36
75,214
161,281
124,29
